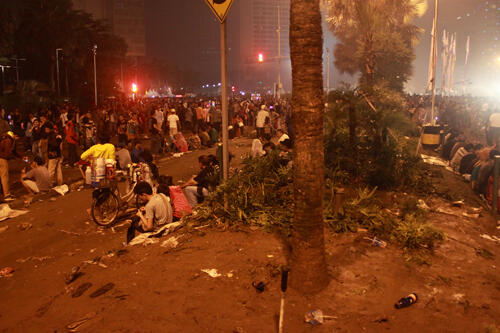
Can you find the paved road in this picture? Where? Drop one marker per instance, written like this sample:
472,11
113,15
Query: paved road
62,235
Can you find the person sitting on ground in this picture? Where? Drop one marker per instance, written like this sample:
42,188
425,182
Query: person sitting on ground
204,137
214,135
197,187
468,161
258,145
156,212
461,152
37,179
147,157
123,156
135,154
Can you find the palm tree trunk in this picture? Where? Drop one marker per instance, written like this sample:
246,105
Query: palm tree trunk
307,248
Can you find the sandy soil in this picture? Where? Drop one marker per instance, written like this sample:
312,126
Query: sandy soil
163,289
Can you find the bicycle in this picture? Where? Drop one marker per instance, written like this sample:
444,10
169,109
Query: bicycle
107,203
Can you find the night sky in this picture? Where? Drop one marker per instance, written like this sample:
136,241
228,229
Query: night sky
173,35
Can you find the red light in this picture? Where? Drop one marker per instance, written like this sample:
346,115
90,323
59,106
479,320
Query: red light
261,57
233,88
134,88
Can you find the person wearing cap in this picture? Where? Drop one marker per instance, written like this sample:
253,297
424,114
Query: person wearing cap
173,123
260,122
7,149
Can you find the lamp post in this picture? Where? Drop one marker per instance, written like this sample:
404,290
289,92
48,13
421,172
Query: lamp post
95,75
279,53
16,59
57,69
327,71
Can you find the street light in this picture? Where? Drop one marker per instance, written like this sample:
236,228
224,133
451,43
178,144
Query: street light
57,67
16,59
261,57
3,77
134,91
95,75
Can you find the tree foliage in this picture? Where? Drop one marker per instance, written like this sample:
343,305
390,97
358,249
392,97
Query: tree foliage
376,38
35,29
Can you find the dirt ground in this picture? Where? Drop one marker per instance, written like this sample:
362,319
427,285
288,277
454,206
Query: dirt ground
157,288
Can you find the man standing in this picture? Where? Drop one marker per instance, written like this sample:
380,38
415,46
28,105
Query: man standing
7,145
55,157
262,115
71,140
173,123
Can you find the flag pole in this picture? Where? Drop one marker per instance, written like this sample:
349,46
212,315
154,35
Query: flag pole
434,61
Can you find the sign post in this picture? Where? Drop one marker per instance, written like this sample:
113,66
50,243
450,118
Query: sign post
221,8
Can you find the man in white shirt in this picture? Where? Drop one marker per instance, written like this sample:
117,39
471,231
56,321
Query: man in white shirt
173,123
159,117
493,129
261,120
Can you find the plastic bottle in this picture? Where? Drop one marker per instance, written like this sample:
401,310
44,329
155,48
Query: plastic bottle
406,301
88,175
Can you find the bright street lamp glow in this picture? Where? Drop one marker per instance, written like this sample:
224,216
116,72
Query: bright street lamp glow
134,88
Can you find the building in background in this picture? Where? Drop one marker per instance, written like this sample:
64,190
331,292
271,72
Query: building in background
125,17
258,34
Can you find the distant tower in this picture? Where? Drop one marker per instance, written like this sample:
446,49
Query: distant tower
125,17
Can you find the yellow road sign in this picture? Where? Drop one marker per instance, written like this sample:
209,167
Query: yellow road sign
220,8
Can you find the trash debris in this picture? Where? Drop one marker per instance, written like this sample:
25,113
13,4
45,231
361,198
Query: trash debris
171,243
62,190
81,289
24,226
121,252
101,291
8,213
6,272
260,286
316,317
33,259
75,274
2,229
459,203
74,326
443,210
52,199
212,272
377,242
458,297
433,160
491,238
70,232
163,231
472,216
406,301
270,256
422,205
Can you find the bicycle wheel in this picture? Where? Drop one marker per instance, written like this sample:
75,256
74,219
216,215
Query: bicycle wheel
105,209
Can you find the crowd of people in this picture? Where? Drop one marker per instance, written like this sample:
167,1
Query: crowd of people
141,130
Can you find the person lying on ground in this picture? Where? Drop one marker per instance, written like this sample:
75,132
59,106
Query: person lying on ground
37,179
156,212
196,189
